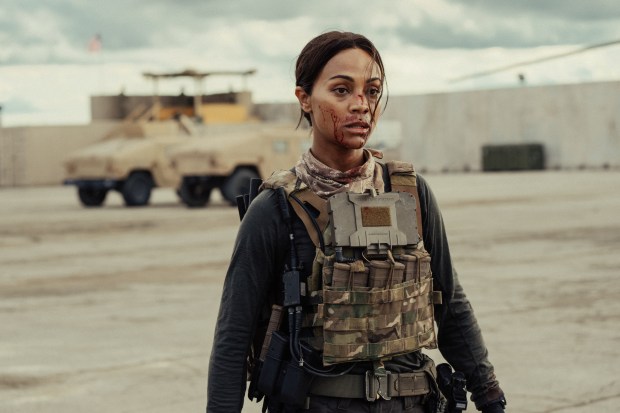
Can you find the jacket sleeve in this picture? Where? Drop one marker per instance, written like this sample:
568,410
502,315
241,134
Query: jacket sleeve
459,336
257,251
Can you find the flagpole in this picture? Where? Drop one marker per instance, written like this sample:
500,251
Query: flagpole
96,46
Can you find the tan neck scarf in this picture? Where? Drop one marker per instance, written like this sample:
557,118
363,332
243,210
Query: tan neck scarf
325,181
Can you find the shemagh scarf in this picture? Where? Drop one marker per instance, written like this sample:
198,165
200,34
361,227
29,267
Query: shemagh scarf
325,181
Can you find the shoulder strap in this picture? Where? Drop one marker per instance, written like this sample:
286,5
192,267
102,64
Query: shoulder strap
403,178
312,210
309,207
283,178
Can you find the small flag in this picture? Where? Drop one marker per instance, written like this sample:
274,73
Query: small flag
95,44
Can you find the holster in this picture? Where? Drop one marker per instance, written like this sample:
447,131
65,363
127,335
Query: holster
282,378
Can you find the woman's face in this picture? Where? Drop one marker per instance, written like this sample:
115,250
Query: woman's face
344,99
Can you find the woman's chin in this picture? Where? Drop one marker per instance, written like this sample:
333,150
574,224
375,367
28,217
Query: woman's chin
354,142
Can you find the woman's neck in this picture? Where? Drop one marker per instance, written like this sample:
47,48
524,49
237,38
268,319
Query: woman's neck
339,160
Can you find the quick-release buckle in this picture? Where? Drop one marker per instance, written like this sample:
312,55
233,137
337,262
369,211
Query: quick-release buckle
378,385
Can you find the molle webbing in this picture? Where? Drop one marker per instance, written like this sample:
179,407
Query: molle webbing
403,178
373,323
353,317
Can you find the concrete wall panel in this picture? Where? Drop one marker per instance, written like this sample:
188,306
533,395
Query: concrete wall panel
579,125
34,155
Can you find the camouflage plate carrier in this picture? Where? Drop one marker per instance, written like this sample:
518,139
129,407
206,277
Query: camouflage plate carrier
371,287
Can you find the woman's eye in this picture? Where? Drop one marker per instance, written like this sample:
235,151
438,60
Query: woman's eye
374,92
341,90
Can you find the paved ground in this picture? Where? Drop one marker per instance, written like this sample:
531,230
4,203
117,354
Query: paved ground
113,309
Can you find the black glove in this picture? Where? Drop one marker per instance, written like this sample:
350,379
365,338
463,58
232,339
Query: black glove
495,407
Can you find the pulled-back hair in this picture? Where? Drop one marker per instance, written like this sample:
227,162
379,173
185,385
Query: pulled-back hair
315,55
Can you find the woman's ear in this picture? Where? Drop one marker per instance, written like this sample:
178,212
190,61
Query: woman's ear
304,99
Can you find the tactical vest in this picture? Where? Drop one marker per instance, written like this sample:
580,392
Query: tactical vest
367,304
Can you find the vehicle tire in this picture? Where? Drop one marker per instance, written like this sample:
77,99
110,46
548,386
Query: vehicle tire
194,193
92,197
237,184
136,189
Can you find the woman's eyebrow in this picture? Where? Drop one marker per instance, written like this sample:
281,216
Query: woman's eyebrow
345,77
350,79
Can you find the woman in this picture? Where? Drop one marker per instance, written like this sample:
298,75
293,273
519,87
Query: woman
340,81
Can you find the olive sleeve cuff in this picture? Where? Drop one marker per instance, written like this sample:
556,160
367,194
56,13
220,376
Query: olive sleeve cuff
494,395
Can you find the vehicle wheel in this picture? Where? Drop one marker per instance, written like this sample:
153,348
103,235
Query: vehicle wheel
194,193
237,184
136,189
92,197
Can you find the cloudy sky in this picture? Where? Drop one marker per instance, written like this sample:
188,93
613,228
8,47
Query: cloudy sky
47,71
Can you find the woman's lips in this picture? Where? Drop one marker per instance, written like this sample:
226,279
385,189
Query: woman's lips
360,127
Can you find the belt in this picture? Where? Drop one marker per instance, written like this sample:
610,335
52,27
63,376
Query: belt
372,385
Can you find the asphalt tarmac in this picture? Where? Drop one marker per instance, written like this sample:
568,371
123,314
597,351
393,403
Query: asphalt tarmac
113,309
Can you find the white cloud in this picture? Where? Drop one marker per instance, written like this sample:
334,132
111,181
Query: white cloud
423,43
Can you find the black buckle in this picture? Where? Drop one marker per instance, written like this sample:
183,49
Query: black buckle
377,385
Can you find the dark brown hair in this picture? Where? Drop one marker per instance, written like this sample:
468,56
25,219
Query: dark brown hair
315,55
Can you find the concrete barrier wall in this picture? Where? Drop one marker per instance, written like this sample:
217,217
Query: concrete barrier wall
34,155
277,112
579,125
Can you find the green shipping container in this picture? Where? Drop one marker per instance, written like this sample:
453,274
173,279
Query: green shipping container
513,157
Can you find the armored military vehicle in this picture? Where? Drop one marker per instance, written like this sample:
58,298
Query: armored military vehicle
131,160
231,158
190,144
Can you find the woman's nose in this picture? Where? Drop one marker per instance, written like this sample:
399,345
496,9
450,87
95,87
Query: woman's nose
360,104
